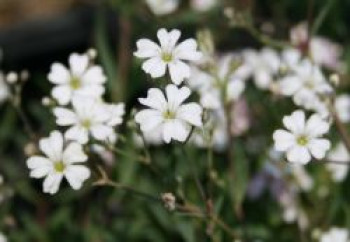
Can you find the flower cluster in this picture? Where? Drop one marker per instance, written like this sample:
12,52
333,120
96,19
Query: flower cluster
78,92
167,114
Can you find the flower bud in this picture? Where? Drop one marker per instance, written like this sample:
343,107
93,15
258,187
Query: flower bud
12,77
92,53
334,79
169,201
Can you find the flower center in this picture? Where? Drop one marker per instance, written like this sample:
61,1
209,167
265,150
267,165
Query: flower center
86,123
167,57
59,166
168,114
302,140
75,83
309,84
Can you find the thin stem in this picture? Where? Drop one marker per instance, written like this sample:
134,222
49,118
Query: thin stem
264,39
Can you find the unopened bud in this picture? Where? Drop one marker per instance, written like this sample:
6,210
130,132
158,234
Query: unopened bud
24,75
169,201
12,77
334,79
46,101
30,149
92,53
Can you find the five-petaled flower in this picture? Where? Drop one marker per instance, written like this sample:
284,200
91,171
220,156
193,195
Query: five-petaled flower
89,117
81,79
302,140
169,114
168,54
59,161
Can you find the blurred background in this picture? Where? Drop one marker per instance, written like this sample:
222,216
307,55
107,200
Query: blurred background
36,33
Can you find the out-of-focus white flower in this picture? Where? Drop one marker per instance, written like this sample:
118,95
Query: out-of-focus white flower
217,126
306,83
59,161
240,117
162,7
4,89
264,65
303,179
291,57
302,140
154,137
203,5
81,79
335,234
168,55
89,117
3,237
342,106
211,87
169,114
321,50
338,154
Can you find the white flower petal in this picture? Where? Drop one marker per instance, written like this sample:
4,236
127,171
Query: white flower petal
94,75
168,40
52,183
101,131
76,175
283,140
319,147
178,71
78,63
148,119
40,166
187,50
176,96
59,74
299,154
62,94
295,122
289,85
52,146
155,67
74,154
316,126
78,134
191,113
155,99
65,116
175,129
147,49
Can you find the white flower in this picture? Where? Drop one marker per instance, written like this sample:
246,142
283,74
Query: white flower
302,140
88,117
59,162
301,176
3,237
264,65
338,154
342,106
168,55
203,5
81,79
4,89
335,235
162,7
291,57
169,114
211,87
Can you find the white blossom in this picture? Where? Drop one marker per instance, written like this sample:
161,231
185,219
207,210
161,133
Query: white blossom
60,161
162,7
168,55
335,235
81,79
203,5
342,106
302,139
89,117
264,65
338,154
3,238
211,87
4,89
169,114
306,83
